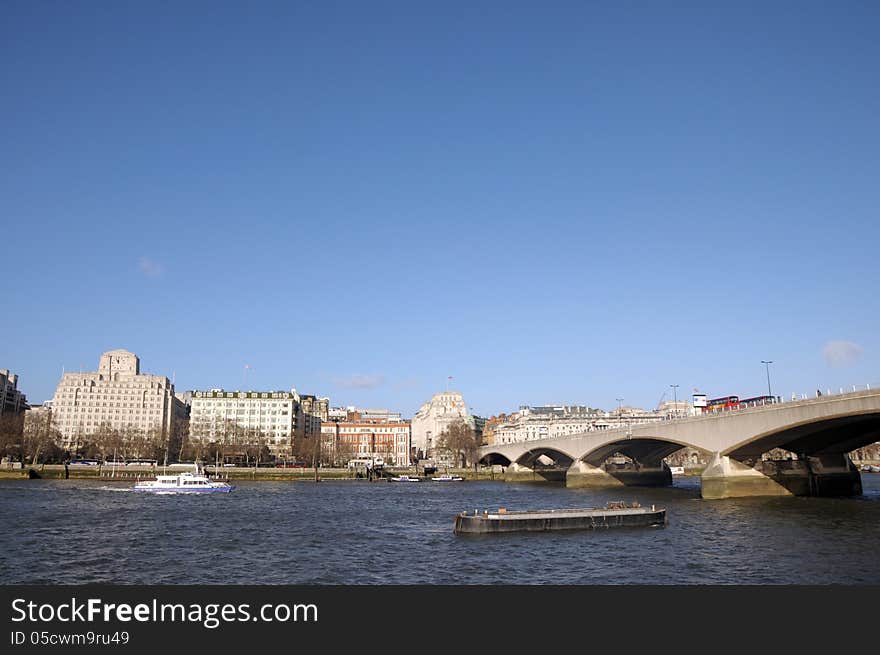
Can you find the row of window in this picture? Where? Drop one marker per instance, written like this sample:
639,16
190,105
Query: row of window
232,394
206,412
255,421
223,403
356,438
112,396
376,430
77,410
84,403
90,421
114,384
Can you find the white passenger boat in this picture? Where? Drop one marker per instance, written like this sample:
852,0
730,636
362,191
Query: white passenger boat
404,478
182,483
447,478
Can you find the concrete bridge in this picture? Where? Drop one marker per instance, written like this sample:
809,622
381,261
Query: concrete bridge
820,431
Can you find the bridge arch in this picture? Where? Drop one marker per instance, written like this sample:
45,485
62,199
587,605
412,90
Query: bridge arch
538,458
818,436
648,450
495,458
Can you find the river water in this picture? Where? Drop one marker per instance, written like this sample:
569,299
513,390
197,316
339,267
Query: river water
78,531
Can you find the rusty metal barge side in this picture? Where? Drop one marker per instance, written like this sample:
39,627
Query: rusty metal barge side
543,521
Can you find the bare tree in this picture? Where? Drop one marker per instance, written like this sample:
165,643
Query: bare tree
107,440
256,447
40,437
78,440
459,441
303,449
344,451
156,444
11,437
178,437
194,445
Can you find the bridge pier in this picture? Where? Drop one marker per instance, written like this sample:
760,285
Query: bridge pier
644,475
834,474
582,476
727,478
826,475
519,473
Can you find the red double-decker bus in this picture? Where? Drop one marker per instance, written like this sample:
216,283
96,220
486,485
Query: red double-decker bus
757,401
720,404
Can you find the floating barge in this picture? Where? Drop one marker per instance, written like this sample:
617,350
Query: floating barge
614,515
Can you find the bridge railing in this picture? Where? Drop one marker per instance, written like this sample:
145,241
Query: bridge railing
779,400
838,391
626,424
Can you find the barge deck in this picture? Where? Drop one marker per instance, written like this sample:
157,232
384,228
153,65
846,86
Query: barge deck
615,515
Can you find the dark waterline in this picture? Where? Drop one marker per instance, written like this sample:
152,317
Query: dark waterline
79,531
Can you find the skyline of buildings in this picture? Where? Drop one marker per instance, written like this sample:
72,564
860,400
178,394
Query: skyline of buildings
320,413
119,396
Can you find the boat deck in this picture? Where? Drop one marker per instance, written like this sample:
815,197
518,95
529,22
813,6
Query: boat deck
559,519
562,513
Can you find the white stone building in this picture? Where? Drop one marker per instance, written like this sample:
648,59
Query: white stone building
532,423
117,395
677,409
433,418
276,416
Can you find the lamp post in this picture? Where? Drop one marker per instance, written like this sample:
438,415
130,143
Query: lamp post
675,395
619,410
767,366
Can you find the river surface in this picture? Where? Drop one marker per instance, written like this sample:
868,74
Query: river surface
79,531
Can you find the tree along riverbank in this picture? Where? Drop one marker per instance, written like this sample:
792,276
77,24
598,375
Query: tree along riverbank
109,473
60,471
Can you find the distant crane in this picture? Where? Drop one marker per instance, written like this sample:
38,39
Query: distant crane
661,399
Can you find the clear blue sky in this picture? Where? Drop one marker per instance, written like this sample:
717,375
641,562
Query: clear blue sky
550,201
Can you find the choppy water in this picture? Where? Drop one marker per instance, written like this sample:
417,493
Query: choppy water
78,531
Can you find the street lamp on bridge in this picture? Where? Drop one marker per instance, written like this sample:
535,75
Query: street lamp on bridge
767,366
675,395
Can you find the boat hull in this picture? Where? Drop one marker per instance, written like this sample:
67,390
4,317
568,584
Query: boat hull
182,490
544,521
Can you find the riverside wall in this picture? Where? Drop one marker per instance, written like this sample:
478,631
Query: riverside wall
133,473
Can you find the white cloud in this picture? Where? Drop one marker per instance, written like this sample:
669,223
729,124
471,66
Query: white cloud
149,267
358,381
841,353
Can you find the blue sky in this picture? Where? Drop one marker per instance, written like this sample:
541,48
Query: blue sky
551,202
